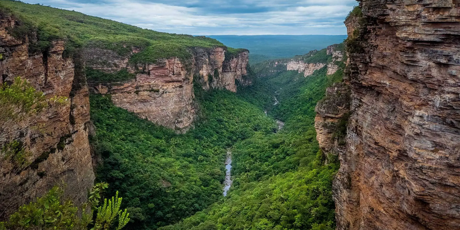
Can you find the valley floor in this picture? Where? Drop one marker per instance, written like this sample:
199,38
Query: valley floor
175,181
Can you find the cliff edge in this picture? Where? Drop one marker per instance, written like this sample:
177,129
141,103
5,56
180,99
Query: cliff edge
56,139
400,168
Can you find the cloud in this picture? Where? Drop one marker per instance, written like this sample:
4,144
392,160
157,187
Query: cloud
234,17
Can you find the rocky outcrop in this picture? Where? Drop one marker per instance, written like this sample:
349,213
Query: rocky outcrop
331,58
56,139
163,91
337,56
306,68
331,120
401,167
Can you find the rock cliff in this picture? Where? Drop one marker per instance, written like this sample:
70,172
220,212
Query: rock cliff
55,139
302,67
400,168
331,120
163,92
331,57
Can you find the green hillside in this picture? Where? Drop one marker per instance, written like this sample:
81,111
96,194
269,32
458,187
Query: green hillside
80,30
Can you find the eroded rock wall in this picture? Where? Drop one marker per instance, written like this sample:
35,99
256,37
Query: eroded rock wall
163,91
56,139
331,120
401,167
301,64
306,68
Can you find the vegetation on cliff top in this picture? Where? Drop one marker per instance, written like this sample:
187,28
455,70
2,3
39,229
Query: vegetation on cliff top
356,12
80,30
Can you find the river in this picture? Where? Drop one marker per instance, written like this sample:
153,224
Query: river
228,161
228,175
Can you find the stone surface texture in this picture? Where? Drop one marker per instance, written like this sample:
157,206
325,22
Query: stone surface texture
331,118
306,68
299,64
401,166
56,138
163,92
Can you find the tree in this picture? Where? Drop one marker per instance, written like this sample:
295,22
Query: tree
52,211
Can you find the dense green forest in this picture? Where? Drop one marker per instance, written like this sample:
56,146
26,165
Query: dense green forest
165,176
280,181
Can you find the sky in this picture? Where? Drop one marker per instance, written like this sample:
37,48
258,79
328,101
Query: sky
220,17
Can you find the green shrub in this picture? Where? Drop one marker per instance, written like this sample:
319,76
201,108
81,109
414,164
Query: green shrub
53,211
19,100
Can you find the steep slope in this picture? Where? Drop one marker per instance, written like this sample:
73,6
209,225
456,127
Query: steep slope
163,176
57,51
56,139
280,179
400,168
307,64
143,70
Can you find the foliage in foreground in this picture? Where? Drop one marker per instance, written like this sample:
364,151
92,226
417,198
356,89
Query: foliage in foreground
52,211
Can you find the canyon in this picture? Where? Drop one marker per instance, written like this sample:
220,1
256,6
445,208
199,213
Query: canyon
393,123
56,140
400,157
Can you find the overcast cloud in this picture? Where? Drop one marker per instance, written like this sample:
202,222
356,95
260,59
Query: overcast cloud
220,17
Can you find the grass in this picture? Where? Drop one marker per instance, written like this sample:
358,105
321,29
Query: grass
80,30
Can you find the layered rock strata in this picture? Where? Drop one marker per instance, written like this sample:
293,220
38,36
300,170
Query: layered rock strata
337,56
163,92
401,167
301,64
306,68
55,141
331,120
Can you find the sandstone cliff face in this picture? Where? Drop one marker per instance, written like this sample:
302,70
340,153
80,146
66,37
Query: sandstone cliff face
307,68
331,120
401,167
163,92
302,64
56,138
337,56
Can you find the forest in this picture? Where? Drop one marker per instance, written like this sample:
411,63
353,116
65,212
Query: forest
174,181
